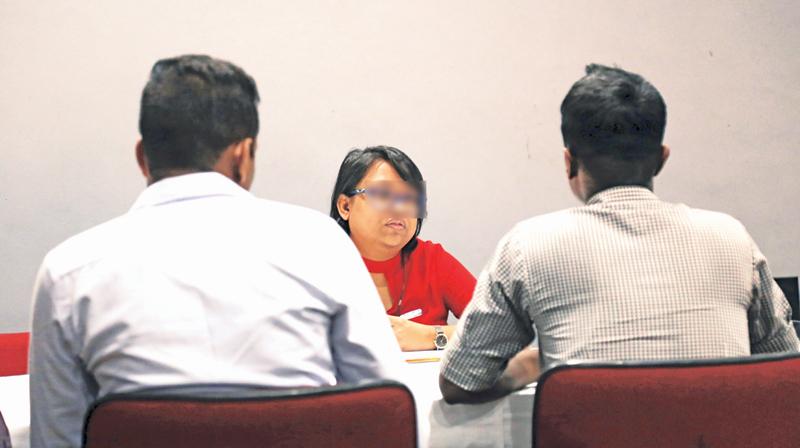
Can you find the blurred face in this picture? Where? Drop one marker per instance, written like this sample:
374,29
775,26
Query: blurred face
382,213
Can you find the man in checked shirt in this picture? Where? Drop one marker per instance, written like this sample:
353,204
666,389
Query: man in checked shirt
627,276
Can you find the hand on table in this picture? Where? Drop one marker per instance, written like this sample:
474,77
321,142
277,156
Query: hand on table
411,335
523,368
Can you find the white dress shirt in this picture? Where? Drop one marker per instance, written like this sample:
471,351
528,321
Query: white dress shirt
200,282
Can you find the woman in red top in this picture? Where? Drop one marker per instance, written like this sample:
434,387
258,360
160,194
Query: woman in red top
380,201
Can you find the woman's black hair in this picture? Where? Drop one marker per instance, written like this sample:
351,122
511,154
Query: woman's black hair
354,167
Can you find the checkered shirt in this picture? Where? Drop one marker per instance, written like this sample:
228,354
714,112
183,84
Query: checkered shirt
625,277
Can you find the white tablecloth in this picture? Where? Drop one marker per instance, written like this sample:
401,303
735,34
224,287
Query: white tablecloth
501,423
14,404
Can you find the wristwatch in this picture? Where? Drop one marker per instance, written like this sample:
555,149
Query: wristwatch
440,341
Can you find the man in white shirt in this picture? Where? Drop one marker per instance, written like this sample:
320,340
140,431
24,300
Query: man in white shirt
200,282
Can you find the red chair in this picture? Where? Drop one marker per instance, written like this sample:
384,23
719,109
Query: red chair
738,402
14,353
379,414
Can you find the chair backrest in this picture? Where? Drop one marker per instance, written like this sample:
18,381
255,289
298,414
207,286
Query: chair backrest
14,353
738,402
377,413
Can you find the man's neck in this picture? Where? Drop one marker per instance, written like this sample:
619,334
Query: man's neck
591,188
156,176
166,174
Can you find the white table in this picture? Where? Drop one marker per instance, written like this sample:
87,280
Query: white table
501,423
15,406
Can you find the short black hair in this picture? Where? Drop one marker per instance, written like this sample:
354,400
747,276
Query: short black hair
353,169
192,108
613,121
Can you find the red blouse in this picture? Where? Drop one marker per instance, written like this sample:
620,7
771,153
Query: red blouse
435,283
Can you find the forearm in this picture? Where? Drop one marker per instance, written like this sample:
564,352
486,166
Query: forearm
427,335
520,371
454,394
413,336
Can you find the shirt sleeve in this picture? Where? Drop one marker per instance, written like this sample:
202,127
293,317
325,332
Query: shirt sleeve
458,284
362,342
769,315
495,325
5,437
60,389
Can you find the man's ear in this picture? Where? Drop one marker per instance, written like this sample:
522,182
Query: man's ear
664,156
243,160
570,164
343,205
141,159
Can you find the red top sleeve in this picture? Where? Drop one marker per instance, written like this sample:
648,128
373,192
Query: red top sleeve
457,283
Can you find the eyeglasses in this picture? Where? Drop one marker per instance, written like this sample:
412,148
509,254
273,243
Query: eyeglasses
381,198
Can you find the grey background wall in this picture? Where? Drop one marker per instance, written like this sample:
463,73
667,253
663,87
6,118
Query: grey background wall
469,89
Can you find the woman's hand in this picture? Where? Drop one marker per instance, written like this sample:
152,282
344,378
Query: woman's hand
411,335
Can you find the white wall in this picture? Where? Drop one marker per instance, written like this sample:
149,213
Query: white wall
469,89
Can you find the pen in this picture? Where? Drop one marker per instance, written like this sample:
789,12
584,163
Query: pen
411,314
417,360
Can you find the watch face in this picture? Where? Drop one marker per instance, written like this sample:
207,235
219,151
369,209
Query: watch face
440,341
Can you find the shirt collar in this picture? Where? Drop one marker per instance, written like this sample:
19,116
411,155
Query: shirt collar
626,193
188,186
